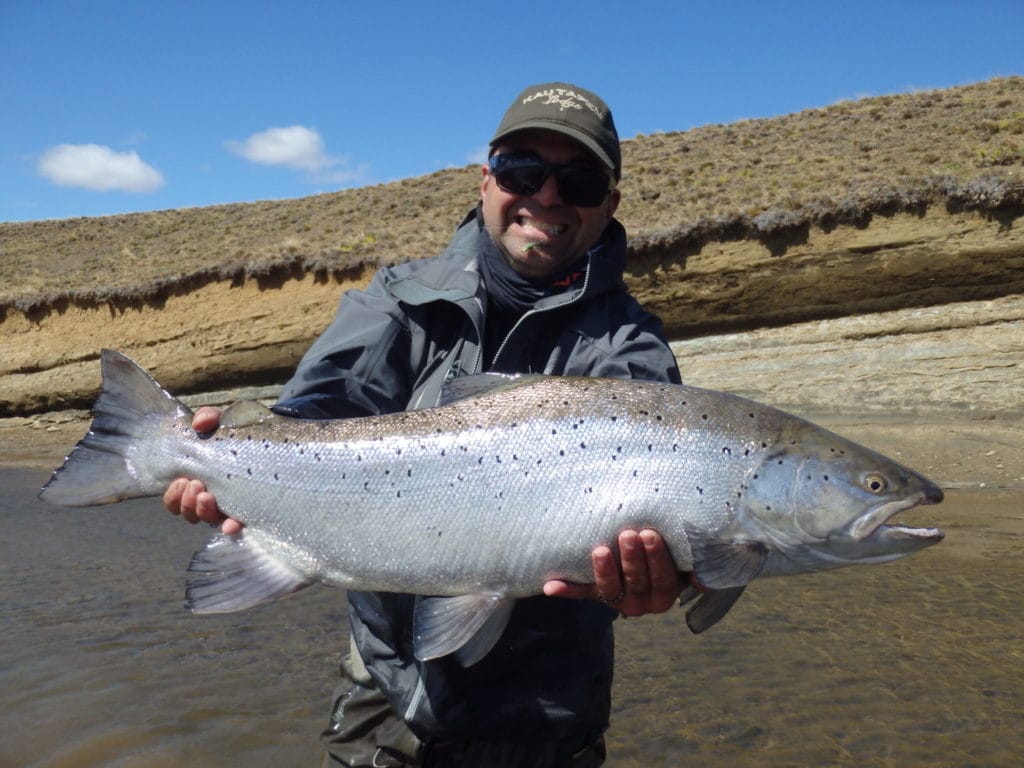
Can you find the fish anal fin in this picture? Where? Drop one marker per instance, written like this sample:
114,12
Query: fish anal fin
232,573
710,607
246,413
466,625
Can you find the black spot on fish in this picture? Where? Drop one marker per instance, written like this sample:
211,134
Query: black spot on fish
705,417
234,452
276,477
249,471
727,451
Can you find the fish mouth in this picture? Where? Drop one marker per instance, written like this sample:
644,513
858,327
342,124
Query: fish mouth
875,522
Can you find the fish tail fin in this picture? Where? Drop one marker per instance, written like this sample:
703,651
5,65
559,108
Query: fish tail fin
100,469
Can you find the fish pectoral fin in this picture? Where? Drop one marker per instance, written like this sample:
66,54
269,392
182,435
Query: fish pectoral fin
466,625
710,607
246,413
719,563
233,573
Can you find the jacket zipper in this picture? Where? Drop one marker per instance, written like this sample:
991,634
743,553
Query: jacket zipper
501,348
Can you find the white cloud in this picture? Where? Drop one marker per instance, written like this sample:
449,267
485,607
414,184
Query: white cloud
92,166
293,147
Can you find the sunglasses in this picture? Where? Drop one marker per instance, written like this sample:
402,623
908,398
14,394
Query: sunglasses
521,174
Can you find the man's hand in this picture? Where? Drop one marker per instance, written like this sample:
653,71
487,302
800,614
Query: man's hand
647,583
189,498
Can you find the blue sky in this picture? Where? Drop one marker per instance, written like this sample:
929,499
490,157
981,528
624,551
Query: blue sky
110,107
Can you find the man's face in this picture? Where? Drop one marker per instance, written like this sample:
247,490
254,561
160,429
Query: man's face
540,234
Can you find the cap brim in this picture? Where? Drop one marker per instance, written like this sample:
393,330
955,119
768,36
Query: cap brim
566,130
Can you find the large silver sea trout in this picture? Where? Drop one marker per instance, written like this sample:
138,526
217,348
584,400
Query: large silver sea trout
511,483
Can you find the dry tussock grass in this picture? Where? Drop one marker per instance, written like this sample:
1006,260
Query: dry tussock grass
962,147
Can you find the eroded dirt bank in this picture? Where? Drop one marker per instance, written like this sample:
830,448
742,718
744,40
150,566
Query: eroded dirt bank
909,313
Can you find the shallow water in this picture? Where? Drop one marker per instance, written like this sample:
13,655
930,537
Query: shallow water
918,662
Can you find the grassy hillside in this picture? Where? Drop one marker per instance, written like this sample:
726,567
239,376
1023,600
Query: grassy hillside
962,147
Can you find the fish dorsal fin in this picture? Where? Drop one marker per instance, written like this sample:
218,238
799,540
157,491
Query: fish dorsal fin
710,607
719,564
468,387
466,625
246,413
232,573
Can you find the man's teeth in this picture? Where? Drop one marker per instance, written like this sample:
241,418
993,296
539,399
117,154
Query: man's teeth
548,229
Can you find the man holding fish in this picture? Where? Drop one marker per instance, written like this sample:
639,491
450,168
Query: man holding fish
530,283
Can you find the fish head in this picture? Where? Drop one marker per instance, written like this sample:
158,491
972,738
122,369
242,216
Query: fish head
821,501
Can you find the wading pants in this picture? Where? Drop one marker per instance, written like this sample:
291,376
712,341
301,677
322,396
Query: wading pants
365,733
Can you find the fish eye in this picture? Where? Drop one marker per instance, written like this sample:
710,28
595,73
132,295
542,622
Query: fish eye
876,483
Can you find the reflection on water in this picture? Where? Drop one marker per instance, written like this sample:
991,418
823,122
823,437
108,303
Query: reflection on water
918,662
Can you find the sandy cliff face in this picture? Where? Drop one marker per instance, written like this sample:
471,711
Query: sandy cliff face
909,312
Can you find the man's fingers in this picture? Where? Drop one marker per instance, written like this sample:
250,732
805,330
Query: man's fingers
608,585
172,496
206,419
634,565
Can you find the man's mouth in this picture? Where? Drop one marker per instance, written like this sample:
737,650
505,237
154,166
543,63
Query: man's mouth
548,230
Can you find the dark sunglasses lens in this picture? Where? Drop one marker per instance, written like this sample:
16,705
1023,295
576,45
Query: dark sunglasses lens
584,187
521,179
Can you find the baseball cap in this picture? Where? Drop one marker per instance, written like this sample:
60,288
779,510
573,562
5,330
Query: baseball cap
570,110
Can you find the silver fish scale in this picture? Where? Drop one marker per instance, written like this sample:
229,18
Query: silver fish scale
498,493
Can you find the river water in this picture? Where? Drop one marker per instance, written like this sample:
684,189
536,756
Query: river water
913,663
